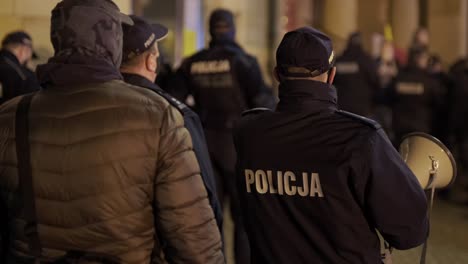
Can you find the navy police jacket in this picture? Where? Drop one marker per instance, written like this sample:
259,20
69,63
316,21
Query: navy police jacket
416,100
316,183
356,81
15,79
224,81
192,123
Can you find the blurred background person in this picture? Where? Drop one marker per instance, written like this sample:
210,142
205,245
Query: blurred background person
458,130
15,78
441,118
164,72
356,81
415,96
224,81
421,39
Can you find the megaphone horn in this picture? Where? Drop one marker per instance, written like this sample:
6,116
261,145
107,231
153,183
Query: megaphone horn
429,159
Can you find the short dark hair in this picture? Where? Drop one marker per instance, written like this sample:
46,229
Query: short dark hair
134,61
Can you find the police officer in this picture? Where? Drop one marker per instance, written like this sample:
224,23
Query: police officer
315,182
224,81
15,78
416,97
458,129
356,80
139,67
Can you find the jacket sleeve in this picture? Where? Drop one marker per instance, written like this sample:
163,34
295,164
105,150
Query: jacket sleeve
394,199
257,93
184,218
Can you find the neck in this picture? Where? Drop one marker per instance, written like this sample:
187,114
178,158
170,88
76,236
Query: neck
150,76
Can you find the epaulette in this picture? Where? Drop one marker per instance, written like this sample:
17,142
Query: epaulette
174,102
363,120
255,111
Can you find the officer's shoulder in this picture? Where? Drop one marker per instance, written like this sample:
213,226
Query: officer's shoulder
181,107
360,119
255,111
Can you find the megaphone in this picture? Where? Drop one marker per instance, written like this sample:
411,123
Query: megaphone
429,159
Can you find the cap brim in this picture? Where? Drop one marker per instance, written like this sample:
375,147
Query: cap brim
160,31
125,19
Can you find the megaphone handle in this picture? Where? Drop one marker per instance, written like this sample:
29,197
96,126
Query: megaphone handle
424,250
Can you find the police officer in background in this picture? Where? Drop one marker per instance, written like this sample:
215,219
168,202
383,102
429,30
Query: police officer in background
458,129
139,66
224,81
356,80
315,182
15,78
416,97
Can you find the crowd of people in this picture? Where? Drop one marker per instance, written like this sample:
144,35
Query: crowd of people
408,92
100,164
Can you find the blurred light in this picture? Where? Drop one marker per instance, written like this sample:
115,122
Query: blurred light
284,20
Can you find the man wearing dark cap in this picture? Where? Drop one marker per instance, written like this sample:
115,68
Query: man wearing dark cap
315,182
139,67
224,81
95,170
416,97
356,79
15,78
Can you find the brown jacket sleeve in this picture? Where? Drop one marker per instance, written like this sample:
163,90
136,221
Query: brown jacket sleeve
184,217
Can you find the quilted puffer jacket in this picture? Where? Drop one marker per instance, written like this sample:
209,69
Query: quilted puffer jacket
114,173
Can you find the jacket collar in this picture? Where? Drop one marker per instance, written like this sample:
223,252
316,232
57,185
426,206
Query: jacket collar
138,80
10,56
224,42
306,94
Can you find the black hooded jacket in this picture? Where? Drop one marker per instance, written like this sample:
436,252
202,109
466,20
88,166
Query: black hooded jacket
356,81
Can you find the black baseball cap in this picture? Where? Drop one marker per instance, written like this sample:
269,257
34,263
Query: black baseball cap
221,20
141,36
17,37
305,52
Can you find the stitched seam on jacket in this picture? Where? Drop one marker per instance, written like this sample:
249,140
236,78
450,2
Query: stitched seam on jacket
136,211
90,196
15,166
216,246
97,137
90,111
94,110
172,129
184,205
89,138
90,248
188,149
178,179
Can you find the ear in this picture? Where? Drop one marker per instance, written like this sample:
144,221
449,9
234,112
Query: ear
150,63
276,74
331,76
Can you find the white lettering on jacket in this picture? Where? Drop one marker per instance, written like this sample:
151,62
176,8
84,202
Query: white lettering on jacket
210,67
285,183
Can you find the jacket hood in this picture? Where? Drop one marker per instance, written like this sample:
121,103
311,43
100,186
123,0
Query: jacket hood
87,38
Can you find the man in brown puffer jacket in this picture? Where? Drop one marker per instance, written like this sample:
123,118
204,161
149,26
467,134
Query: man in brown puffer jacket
112,164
